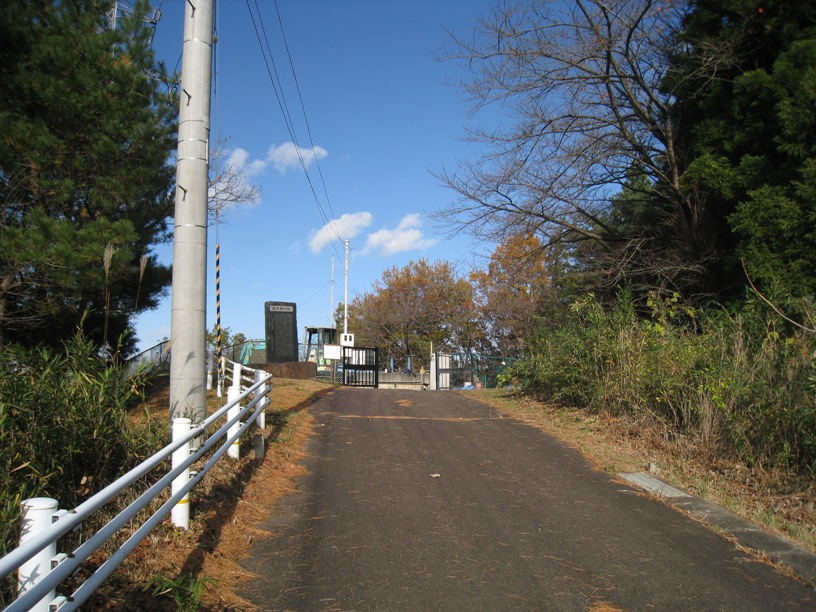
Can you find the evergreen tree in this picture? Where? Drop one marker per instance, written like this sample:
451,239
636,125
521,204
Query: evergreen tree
87,124
745,81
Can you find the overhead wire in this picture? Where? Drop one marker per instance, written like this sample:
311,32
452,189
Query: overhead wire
331,224
277,87
288,118
269,59
303,108
308,299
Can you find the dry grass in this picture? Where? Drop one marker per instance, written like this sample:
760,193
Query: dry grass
231,501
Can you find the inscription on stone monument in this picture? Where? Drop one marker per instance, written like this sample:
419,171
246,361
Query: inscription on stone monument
281,332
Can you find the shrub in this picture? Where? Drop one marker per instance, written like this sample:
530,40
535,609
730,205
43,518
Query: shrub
737,384
64,431
767,379
564,363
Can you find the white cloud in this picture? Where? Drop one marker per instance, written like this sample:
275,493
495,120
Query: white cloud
406,237
239,160
288,156
283,158
344,228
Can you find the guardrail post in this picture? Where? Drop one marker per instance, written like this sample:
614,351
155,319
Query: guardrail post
233,393
37,516
180,514
236,376
260,393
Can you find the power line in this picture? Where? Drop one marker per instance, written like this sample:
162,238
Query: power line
308,299
277,87
303,110
270,60
290,123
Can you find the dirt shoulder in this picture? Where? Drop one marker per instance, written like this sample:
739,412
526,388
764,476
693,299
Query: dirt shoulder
199,569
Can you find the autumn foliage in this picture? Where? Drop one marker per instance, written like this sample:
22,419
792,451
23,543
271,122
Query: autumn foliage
417,309
511,293
426,307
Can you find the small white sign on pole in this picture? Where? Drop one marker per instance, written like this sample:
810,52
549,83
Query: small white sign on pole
332,351
347,340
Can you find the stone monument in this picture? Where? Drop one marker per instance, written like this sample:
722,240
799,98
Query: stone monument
281,332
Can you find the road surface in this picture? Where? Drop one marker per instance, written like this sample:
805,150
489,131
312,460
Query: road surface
420,500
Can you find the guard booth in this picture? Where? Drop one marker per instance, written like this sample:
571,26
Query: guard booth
360,367
316,340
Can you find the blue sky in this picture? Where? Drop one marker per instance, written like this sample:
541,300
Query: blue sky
382,115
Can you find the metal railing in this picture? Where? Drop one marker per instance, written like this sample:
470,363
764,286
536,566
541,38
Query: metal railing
237,372
249,352
37,589
156,357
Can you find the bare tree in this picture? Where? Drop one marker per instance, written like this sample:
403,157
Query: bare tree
584,83
229,182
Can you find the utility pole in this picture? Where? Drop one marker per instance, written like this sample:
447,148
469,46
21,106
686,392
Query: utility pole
331,296
188,323
345,298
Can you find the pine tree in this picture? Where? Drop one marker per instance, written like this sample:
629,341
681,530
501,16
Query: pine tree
746,85
87,127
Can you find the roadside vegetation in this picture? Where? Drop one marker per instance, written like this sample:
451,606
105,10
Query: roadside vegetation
721,402
70,424
65,431
733,385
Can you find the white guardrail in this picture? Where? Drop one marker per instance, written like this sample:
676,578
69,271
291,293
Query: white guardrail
40,569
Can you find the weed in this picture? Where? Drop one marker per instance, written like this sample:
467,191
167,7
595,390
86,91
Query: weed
185,590
702,487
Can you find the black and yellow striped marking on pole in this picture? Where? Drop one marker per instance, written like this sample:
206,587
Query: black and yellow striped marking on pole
220,345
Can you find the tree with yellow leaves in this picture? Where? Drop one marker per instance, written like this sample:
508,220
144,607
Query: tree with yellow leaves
512,292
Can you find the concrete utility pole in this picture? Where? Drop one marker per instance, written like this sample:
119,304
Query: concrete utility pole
331,297
345,298
188,322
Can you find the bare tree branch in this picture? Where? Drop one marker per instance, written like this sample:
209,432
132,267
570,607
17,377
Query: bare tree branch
584,82
229,182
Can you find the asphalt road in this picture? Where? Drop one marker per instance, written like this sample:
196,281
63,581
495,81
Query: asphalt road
429,501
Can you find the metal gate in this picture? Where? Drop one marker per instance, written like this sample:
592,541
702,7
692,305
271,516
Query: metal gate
453,371
360,367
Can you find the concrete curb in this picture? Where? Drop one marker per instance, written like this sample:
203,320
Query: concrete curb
799,560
